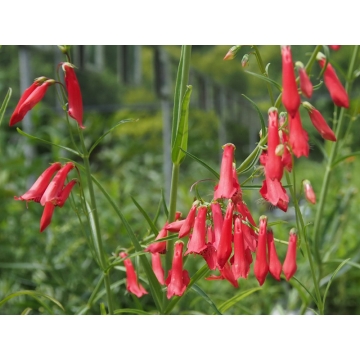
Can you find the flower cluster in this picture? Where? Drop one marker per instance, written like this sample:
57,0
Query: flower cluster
50,193
224,233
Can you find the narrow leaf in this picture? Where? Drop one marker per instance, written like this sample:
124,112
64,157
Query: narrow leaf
108,132
206,166
250,161
341,159
5,104
181,139
95,242
102,309
26,311
200,292
130,311
47,142
262,121
235,299
305,288
265,78
147,217
332,278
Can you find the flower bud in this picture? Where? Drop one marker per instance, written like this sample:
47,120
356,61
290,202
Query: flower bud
231,54
309,192
245,61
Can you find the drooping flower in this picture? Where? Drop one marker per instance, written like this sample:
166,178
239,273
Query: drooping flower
175,226
289,265
74,94
286,157
157,267
274,262
290,95
305,84
218,221
248,233
160,246
197,242
298,137
261,266
189,221
309,192
240,266
224,248
337,91
37,190
226,187
225,274
178,279
30,98
319,122
335,47
132,284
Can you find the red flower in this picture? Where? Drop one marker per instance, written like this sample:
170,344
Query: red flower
37,190
30,98
335,47
261,266
289,266
309,192
178,279
132,284
241,265
197,243
337,92
225,273
74,94
157,267
275,193
319,122
189,222
298,137
224,248
218,221
274,262
249,234
290,95
160,246
286,157
305,83
209,255
226,187
175,226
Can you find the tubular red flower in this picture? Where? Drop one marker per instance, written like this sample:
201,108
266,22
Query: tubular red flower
337,92
290,95
298,137
319,122
284,138
289,265
209,255
274,262
37,190
55,187
305,83
178,279
159,247
275,193
309,192
175,226
218,221
226,187
46,216
261,266
157,267
74,94
132,284
249,234
227,274
189,222
29,99
197,243
335,47
224,249
240,266
65,192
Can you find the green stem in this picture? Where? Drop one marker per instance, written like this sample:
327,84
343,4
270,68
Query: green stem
263,72
331,159
301,227
103,260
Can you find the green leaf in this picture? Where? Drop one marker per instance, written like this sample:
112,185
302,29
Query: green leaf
35,295
109,131
235,299
341,159
181,139
102,309
265,78
332,278
47,142
206,166
305,288
5,104
130,311
26,311
351,263
250,161
155,287
200,292
262,121
147,217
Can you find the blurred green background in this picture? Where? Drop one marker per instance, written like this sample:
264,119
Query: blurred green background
122,82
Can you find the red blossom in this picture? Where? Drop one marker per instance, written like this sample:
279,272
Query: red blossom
309,192
261,266
157,267
160,246
218,221
298,137
274,262
289,265
189,222
305,84
132,284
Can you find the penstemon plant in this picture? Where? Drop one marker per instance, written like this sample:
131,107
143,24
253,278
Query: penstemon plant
218,231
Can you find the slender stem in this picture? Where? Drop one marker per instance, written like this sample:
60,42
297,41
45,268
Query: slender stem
263,72
331,159
102,258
